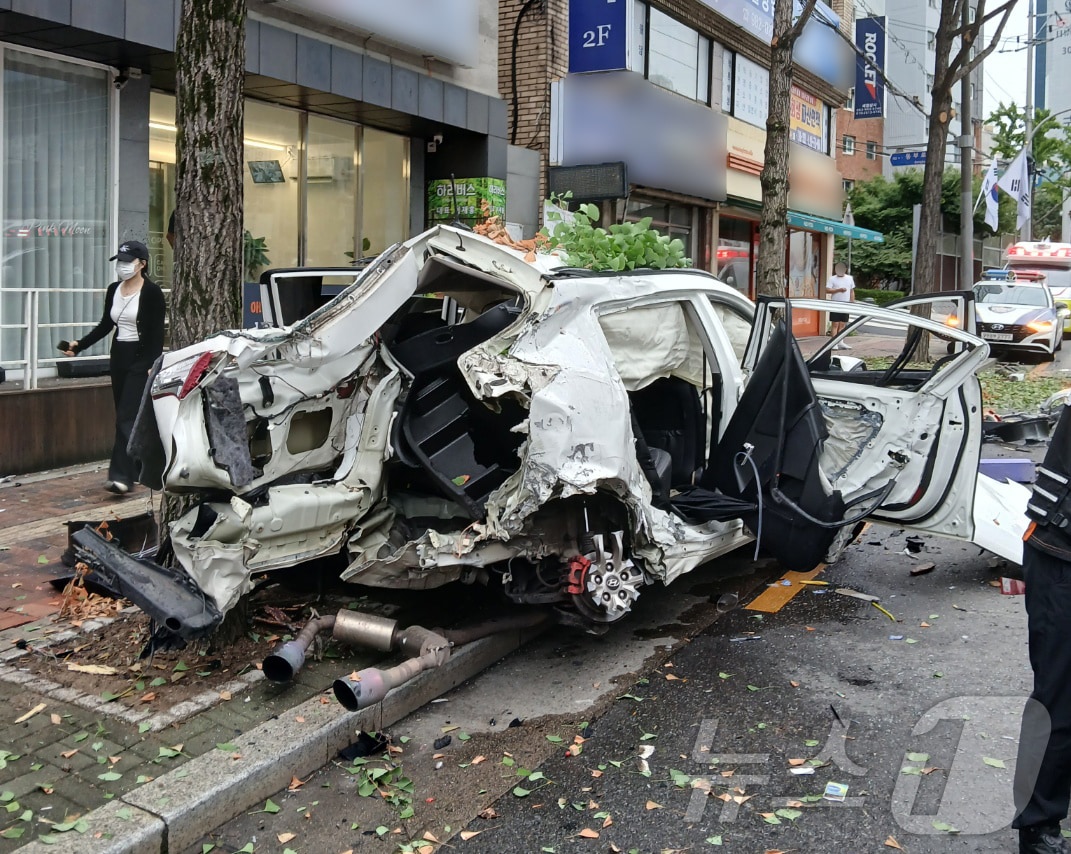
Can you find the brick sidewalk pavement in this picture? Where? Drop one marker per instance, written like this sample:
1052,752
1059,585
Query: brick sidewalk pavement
34,511
79,751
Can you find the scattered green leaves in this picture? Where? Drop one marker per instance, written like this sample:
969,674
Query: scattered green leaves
994,763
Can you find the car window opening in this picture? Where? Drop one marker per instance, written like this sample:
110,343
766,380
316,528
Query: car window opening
449,444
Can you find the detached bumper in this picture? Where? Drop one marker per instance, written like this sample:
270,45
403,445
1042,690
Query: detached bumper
169,596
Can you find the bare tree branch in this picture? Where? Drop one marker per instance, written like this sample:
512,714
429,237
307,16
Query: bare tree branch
796,29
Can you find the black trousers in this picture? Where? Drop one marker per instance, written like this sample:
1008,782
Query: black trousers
129,375
1043,767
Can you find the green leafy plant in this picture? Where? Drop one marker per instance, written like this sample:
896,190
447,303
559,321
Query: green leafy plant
624,246
254,254
878,296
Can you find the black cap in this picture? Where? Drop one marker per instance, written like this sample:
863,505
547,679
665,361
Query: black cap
131,249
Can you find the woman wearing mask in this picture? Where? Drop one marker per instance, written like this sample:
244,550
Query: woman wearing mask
134,308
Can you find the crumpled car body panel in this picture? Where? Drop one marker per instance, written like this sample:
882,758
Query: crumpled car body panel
458,413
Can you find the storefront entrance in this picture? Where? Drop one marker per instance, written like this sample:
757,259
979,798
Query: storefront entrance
317,190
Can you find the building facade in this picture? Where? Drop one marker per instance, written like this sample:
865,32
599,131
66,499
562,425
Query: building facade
355,117
659,109
912,34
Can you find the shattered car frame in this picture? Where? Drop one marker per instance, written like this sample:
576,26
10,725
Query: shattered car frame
458,413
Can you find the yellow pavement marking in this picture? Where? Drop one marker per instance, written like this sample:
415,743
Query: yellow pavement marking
774,598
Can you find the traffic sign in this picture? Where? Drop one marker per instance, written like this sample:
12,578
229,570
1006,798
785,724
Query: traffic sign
907,158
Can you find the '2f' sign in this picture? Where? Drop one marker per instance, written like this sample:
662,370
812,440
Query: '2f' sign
598,36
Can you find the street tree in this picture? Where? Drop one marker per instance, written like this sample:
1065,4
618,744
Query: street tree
885,205
770,274
206,284
210,59
957,53
1051,151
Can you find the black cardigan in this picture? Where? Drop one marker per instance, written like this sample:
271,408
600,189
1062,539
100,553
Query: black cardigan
150,322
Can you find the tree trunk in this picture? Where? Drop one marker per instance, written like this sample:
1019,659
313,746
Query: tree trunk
207,281
771,274
925,278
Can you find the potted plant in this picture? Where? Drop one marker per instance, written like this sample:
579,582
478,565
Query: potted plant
254,255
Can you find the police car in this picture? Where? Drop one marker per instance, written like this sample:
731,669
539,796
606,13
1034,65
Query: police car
1018,313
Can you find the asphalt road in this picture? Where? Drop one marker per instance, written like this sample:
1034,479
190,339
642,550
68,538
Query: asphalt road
828,678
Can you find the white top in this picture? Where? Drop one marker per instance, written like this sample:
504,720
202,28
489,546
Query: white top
125,314
845,281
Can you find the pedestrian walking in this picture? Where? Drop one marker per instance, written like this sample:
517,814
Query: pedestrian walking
840,288
134,308
1043,767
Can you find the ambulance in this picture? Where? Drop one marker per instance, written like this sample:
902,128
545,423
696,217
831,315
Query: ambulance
1044,261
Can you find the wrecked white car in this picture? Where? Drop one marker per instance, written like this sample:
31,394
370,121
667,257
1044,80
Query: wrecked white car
457,413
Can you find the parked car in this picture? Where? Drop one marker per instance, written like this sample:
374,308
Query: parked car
458,413
1019,314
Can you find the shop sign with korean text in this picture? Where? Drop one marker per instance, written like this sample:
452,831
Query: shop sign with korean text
806,124
473,199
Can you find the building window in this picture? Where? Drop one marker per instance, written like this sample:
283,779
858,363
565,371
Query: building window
850,103
929,82
55,191
678,57
847,185
745,89
848,144
871,150
675,220
353,200
931,39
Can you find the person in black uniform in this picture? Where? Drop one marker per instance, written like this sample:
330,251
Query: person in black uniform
134,308
1043,768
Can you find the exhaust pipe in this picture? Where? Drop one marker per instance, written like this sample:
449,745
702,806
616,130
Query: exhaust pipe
350,627
424,649
372,684
428,649
288,658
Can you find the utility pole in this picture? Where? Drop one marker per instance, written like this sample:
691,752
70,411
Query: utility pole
1028,118
966,173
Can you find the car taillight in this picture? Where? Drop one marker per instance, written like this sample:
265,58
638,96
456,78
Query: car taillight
181,377
195,374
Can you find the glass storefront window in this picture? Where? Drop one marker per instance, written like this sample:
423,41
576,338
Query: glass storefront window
354,200
331,188
272,170
161,186
56,198
384,190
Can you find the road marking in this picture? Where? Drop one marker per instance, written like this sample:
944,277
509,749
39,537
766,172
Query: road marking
775,597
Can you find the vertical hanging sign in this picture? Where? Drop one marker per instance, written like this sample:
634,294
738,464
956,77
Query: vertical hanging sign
869,88
599,35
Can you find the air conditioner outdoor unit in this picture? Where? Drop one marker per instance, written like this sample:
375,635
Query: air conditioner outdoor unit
321,168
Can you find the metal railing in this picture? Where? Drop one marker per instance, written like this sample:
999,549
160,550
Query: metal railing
31,363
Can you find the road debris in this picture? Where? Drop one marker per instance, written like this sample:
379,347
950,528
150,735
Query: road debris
835,792
855,594
1012,586
923,568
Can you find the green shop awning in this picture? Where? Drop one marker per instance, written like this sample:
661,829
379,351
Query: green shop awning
831,226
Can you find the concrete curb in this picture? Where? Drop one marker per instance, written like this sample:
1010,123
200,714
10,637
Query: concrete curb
175,810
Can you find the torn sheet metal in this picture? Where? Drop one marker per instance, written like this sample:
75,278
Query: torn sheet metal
1000,517
303,440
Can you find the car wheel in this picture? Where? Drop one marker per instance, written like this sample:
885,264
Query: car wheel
1049,356
1059,344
